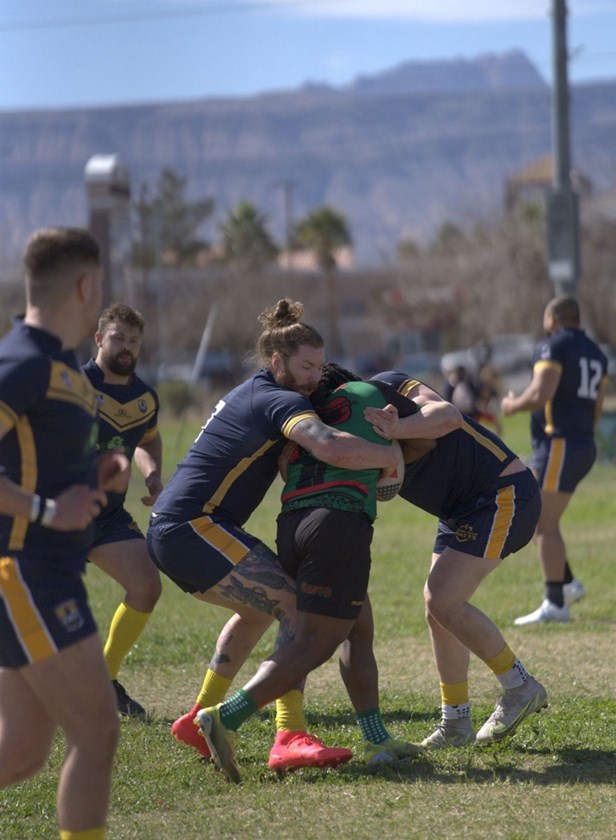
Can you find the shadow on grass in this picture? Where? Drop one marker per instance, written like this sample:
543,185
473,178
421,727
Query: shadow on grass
575,766
346,718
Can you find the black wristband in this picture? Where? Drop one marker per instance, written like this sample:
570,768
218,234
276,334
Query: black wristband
41,512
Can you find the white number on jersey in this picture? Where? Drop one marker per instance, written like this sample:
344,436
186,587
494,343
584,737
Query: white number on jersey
590,377
219,405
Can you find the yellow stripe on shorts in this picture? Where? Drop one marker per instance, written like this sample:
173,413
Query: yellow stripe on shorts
220,539
26,619
555,464
505,502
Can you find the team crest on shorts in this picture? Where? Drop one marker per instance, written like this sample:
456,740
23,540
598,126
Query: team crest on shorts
465,533
69,615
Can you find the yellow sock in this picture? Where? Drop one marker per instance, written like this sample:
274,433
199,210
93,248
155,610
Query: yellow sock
502,662
126,626
290,712
88,834
454,694
214,689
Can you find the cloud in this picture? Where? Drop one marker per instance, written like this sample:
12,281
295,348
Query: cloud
454,11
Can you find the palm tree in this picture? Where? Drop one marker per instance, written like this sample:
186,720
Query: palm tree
245,237
324,231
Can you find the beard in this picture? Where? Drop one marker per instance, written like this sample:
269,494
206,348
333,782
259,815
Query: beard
123,364
288,380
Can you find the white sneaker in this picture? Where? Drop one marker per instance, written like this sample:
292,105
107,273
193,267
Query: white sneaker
546,612
450,733
512,708
573,591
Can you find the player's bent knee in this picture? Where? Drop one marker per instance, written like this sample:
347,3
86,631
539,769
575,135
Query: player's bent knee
12,773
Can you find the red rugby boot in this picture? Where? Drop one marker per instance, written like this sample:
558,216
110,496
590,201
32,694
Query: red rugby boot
187,732
293,750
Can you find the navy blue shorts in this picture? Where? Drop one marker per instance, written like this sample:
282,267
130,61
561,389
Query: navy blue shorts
43,609
117,527
561,463
327,553
500,521
197,554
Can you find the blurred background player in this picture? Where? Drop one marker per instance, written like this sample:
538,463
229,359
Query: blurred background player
128,413
565,396
52,671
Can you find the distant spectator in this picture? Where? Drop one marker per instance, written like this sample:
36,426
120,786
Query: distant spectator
471,396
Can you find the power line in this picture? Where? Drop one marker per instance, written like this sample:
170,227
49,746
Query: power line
220,8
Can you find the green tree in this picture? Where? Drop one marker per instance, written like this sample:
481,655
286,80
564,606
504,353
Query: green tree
324,231
245,239
168,223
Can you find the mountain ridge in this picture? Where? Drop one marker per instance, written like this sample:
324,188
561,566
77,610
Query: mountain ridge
395,163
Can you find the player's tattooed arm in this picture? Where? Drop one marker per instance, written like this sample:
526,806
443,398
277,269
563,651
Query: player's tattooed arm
339,448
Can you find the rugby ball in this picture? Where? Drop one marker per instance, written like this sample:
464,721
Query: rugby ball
387,488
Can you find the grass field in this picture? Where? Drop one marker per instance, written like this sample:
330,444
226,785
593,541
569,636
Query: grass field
555,779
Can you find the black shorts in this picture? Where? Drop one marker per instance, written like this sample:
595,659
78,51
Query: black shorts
327,553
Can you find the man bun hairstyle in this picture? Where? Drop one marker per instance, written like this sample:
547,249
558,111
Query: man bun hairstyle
284,332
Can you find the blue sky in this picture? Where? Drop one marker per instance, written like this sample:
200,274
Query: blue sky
59,53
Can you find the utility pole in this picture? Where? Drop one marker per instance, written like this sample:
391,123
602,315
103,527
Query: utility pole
108,197
287,207
562,202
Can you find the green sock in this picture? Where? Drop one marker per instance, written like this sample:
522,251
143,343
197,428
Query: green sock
372,726
238,708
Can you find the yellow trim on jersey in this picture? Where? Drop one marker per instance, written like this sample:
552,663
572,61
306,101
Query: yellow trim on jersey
556,460
240,468
8,418
407,386
125,416
484,441
290,424
505,503
149,435
69,385
28,479
547,364
29,625
220,539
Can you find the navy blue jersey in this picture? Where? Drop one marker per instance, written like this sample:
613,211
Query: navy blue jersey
50,409
233,461
127,416
461,465
583,367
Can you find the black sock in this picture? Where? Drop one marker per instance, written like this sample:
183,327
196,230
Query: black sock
554,592
568,573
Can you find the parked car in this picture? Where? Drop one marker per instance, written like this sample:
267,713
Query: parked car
423,365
